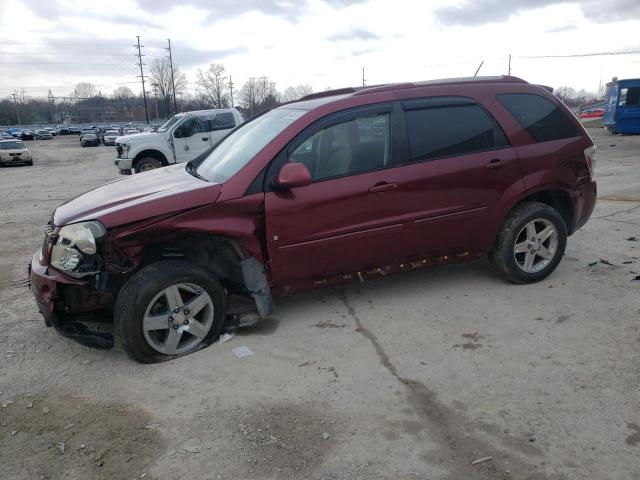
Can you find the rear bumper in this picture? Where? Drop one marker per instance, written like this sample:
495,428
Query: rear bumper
583,197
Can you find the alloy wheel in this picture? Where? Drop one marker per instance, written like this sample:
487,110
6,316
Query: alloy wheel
536,245
178,318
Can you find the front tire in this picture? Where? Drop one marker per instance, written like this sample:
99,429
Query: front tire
168,309
530,244
147,163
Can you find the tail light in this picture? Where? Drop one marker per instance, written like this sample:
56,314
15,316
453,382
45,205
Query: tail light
589,156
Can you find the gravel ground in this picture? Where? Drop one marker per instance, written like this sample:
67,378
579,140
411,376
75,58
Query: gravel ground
413,376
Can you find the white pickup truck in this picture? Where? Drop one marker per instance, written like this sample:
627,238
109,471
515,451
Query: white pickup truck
182,138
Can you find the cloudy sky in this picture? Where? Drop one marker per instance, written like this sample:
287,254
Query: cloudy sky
325,43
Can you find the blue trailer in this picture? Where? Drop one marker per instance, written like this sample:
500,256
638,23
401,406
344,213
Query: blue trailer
622,107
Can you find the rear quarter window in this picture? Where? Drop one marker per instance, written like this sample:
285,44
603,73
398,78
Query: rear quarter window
451,130
542,119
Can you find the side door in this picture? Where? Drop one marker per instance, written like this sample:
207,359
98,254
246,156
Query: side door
457,165
349,217
190,139
220,125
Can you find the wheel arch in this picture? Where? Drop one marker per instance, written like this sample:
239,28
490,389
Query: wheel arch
556,198
157,154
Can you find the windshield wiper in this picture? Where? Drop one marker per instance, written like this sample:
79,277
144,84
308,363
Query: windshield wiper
192,171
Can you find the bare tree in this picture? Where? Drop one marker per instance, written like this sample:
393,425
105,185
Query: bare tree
249,95
295,92
265,89
213,85
160,74
84,90
122,93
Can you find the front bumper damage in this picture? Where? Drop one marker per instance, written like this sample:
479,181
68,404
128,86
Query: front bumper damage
48,288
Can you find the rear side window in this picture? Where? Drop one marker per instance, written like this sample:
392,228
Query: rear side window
223,120
541,118
630,96
451,130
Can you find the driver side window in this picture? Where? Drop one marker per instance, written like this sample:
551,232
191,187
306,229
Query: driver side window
359,145
190,127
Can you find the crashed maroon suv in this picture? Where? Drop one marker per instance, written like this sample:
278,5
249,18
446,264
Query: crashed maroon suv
340,186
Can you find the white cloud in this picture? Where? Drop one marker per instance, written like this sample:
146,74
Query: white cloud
323,43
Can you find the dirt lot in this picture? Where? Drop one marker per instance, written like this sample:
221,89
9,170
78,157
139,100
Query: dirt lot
408,377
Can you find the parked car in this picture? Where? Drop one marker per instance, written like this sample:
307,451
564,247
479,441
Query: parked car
340,186
43,134
52,130
13,131
182,138
87,131
14,152
27,135
6,136
75,130
64,130
109,137
594,113
89,140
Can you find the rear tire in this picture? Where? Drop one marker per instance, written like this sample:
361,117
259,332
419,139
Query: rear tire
147,163
530,244
147,298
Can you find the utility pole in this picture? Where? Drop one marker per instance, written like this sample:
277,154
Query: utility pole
364,82
509,64
173,83
144,92
155,95
15,101
231,90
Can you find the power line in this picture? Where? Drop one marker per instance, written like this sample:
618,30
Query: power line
57,63
598,54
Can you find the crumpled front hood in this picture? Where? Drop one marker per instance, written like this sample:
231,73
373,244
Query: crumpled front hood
136,137
141,196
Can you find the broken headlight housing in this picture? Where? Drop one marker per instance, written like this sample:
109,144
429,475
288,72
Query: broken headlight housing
75,250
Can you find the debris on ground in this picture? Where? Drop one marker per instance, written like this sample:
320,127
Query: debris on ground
637,277
326,436
481,460
45,409
588,265
61,447
7,403
632,239
606,262
226,337
242,351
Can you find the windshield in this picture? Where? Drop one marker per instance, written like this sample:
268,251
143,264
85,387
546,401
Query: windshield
169,123
11,145
235,151
112,132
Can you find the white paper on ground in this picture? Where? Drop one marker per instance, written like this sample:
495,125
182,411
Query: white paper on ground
226,337
242,351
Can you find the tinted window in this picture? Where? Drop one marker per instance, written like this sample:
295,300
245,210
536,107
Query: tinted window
451,130
191,126
359,145
630,96
222,121
542,119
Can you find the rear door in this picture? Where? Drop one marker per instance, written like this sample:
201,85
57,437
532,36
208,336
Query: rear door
457,166
221,124
349,218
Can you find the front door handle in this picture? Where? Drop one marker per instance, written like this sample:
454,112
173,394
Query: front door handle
497,163
383,187
204,139
186,147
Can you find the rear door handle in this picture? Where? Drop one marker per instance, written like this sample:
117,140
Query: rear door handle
383,187
496,163
204,139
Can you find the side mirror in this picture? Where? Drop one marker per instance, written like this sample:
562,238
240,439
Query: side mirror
293,174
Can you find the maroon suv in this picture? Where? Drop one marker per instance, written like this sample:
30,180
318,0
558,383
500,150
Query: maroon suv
340,186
